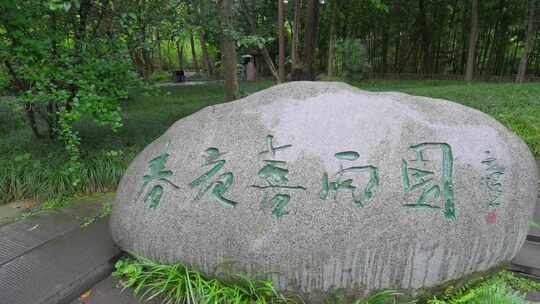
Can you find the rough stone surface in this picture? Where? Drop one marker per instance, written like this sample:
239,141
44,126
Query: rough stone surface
407,224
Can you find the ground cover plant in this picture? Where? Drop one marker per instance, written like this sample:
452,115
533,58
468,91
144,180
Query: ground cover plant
180,284
31,168
175,284
501,288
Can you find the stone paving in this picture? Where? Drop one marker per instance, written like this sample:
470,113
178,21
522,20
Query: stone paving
55,255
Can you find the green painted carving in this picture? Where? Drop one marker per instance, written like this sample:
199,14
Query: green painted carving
154,196
415,179
359,196
209,174
275,173
158,175
492,180
347,155
219,187
278,202
270,147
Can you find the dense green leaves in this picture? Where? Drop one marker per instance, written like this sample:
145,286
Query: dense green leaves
64,66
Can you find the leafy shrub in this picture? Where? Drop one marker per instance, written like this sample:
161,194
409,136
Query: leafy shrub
502,288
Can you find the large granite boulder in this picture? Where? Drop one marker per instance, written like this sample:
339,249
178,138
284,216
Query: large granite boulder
326,187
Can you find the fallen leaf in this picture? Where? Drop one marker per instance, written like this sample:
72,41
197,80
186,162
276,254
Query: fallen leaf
33,227
85,295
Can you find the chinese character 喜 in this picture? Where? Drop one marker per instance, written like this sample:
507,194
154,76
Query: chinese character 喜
275,172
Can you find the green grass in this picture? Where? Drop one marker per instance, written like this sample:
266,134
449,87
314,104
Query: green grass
501,288
35,169
179,284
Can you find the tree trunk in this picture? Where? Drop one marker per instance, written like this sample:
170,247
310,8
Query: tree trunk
529,42
158,45
180,54
473,37
281,41
266,55
206,59
269,62
295,62
193,53
310,37
228,51
332,41
384,62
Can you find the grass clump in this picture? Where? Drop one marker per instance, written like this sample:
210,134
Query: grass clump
178,284
501,288
175,284
49,178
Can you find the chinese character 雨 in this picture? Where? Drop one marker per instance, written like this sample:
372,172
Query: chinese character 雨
344,180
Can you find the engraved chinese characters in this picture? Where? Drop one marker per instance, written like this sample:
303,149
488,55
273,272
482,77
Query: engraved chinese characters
158,177
220,185
426,183
432,191
344,181
327,187
276,173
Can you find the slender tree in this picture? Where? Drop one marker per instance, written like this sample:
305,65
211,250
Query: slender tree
473,37
295,41
180,54
332,40
206,58
193,52
228,51
529,41
310,38
281,42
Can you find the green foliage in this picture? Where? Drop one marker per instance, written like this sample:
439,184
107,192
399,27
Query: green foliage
61,72
49,176
179,284
37,169
352,59
504,287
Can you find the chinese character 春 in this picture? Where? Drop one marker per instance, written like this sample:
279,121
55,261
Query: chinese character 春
429,183
158,174
218,187
344,180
